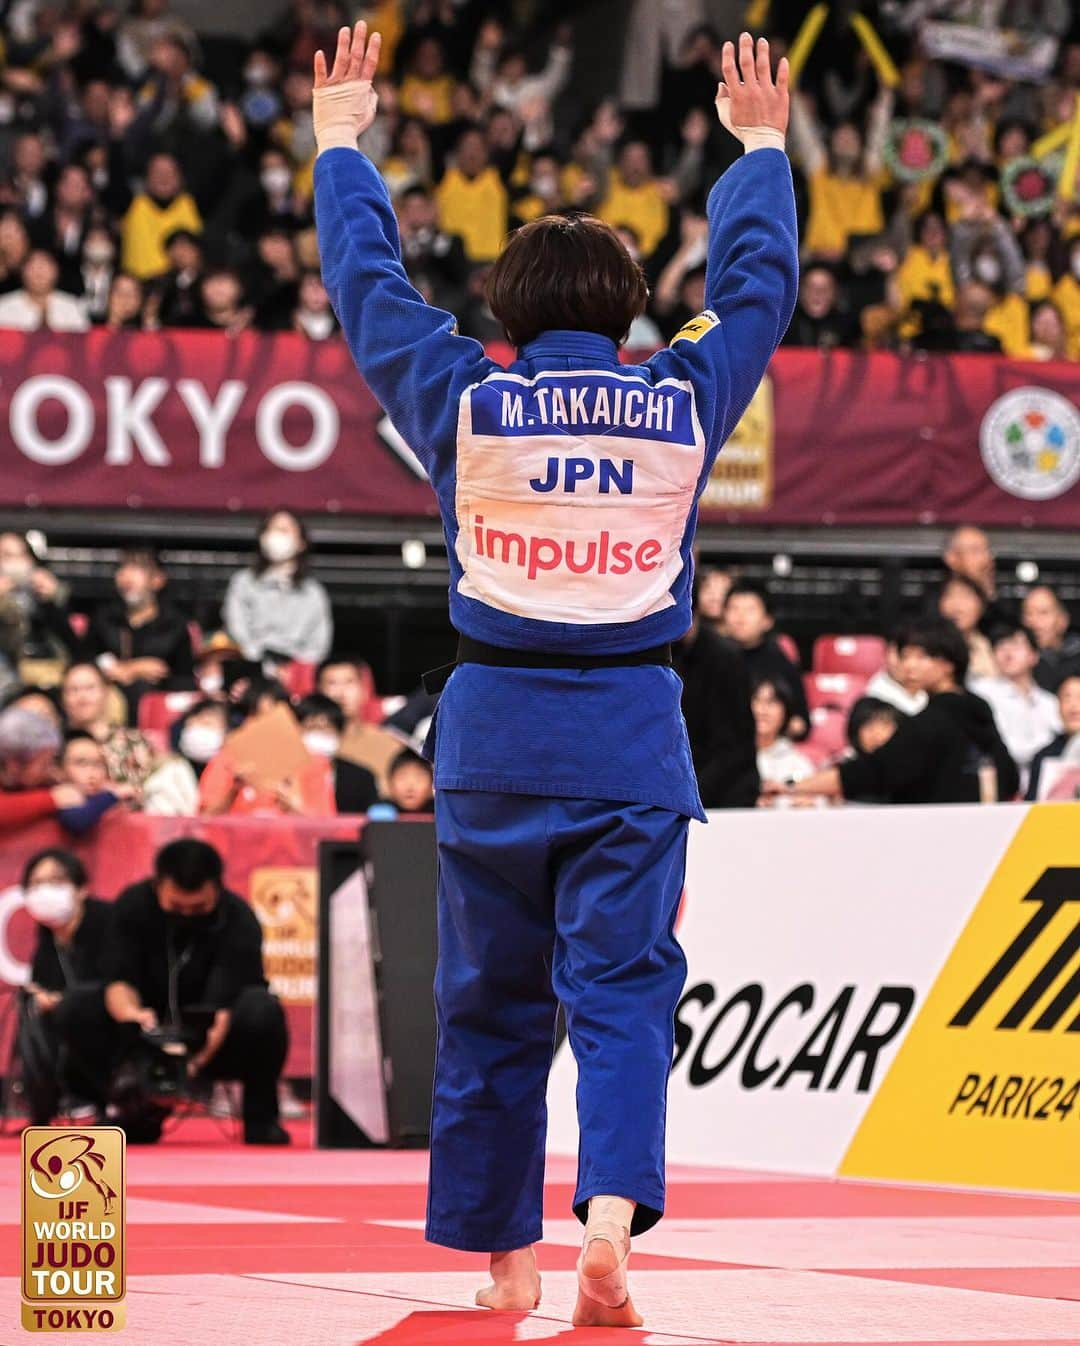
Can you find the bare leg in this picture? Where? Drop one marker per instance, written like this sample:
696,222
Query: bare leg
515,1282
603,1295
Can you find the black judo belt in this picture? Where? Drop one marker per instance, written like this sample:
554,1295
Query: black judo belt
494,656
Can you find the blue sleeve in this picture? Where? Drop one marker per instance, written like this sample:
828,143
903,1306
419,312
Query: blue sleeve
81,819
409,353
751,283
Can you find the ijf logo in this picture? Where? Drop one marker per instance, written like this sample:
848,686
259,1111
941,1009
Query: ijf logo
73,1226
1030,442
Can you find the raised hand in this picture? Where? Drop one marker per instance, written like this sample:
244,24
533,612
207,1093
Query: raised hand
748,100
345,101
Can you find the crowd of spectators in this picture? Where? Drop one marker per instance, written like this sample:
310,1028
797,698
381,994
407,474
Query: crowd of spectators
136,708
146,182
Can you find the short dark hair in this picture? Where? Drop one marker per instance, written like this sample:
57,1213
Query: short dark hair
341,661
72,866
1006,630
189,863
407,758
568,273
257,688
317,704
78,736
148,557
941,640
954,578
865,711
753,589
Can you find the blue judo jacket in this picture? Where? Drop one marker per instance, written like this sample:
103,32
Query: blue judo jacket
568,485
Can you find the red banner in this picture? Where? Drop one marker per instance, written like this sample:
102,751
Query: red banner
272,863
195,420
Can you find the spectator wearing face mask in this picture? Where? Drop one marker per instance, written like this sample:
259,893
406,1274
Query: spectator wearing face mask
29,745
154,215
200,734
67,977
39,304
274,203
219,662
322,723
985,250
275,607
1044,614
140,640
1066,746
229,785
1027,716
97,270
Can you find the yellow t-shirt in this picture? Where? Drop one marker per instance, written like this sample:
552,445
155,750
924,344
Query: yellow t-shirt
840,207
430,99
145,228
642,209
922,278
1066,295
1010,321
1038,282
477,209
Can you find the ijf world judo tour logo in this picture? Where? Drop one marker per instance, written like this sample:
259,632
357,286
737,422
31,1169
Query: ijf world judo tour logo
73,1244
1030,442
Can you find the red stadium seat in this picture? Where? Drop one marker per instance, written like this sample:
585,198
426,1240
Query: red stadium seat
849,654
828,735
159,711
790,649
836,691
298,679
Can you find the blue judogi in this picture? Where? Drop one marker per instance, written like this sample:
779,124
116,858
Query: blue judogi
568,487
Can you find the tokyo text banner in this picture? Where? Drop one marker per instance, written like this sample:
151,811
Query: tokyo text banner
986,1086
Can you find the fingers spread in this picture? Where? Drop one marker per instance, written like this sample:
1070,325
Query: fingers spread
764,69
356,51
340,71
783,73
746,59
320,69
727,65
371,58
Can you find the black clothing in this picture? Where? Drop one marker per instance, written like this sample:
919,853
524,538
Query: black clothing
1055,666
51,1057
354,787
60,967
834,329
716,707
210,958
1053,749
164,637
180,304
211,962
767,662
934,757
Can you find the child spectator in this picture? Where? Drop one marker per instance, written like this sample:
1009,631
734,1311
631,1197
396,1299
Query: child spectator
410,789
82,764
1027,716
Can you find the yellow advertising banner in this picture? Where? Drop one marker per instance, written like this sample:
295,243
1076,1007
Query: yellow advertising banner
74,1254
742,476
985,1089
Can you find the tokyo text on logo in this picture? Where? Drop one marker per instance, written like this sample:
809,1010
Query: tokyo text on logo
1030,443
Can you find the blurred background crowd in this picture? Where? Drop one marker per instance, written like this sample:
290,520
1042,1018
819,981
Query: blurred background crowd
152,175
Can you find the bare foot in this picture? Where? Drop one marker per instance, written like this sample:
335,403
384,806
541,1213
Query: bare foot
515,1283
588,1313
599,1260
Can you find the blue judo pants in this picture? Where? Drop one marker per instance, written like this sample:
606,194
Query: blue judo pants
543,901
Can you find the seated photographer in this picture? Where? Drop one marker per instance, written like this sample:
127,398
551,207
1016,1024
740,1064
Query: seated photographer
66,982
186,953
